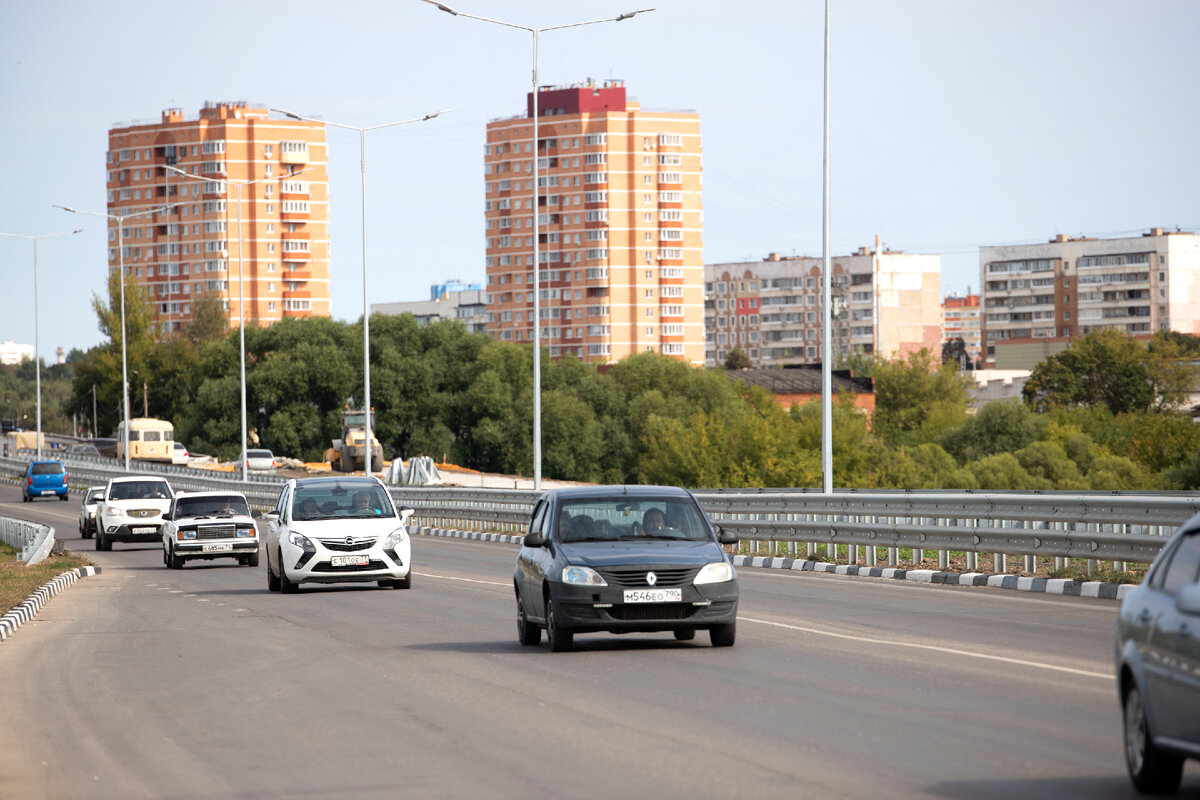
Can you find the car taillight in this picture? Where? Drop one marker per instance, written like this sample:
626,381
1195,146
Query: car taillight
31,480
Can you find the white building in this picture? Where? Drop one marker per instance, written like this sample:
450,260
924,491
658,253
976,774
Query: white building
770,309
15,353
467,306
1038,297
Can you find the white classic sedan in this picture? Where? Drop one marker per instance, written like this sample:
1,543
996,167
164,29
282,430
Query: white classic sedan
337,530
207,525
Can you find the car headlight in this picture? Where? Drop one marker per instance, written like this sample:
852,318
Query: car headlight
716,572
582,575
301,541
245,532
91,515
394,539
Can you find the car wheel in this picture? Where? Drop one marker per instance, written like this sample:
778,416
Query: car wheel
405,582
62,497
685,634
1151,770
25,498
528,634
723,635
272,578
252,559
174,561
285,583
560,640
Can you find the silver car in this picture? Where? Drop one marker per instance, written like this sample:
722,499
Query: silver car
87,511
1158,665
261,462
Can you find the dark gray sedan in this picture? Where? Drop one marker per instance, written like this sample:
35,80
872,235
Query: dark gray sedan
622,559
1158,665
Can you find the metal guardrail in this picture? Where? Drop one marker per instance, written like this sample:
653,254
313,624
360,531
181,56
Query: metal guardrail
1105,526
31,539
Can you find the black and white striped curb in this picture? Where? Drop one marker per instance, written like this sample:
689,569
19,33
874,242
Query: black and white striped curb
476,535
29,609
1103,590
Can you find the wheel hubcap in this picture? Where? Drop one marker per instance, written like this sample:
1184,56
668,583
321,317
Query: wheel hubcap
1135,731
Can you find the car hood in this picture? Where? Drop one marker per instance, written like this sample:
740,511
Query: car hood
340,528
629,553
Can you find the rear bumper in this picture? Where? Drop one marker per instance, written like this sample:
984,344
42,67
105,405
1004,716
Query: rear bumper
45,491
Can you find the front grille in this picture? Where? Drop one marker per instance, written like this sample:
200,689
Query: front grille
142,513
216,532
636,576
652,612
340,545
325,566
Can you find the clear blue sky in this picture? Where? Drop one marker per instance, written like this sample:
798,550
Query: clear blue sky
954,123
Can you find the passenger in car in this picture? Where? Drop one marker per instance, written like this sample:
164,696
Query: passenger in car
307,509
652,521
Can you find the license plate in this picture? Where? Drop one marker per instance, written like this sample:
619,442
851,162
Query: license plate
218,547
349,561
47,491
653,595
143,530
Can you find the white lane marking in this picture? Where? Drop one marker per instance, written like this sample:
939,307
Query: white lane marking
464,580
931,647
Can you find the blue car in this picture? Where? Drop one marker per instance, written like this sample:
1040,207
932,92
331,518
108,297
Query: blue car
45,479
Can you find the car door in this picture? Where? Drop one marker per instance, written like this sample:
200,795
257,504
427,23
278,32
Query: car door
527,579
276,525
1173,655
542,559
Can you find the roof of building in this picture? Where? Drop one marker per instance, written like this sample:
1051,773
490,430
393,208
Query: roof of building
801,379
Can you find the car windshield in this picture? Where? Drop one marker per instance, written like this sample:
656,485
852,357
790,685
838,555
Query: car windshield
326,501
605,518
48,468
211,506
139,490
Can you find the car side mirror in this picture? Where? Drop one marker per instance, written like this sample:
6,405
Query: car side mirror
166,515
535,539
256,514
1188,599
270,516
725,536
406,512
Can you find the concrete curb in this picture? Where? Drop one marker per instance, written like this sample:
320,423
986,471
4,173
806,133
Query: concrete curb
27,610
1101,590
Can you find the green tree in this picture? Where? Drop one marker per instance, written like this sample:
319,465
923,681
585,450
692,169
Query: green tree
737,359
1004,472
1107,367
1001,426
917,400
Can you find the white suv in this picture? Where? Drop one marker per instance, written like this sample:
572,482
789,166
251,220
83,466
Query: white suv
207,525
333,530
131,510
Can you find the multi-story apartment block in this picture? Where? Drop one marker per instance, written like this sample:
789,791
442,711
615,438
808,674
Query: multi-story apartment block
14,353
1038,297
961,320
192,248
619,226
452,300
883,302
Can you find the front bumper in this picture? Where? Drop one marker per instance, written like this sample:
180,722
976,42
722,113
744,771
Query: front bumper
215,548
603,608
318,567
135,532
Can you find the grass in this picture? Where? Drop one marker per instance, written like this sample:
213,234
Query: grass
18,581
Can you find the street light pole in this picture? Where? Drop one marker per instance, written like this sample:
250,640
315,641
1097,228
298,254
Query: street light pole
362,163
120,220
37,359
537,279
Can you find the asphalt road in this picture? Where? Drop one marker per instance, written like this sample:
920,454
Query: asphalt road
146,682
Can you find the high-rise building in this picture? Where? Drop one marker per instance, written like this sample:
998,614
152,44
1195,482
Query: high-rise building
620,226
883,301
452,300
1038,297
960,320
192,249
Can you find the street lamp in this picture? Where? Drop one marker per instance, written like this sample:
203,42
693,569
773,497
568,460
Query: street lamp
362,155
537,279
120,220
241,284
37,361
